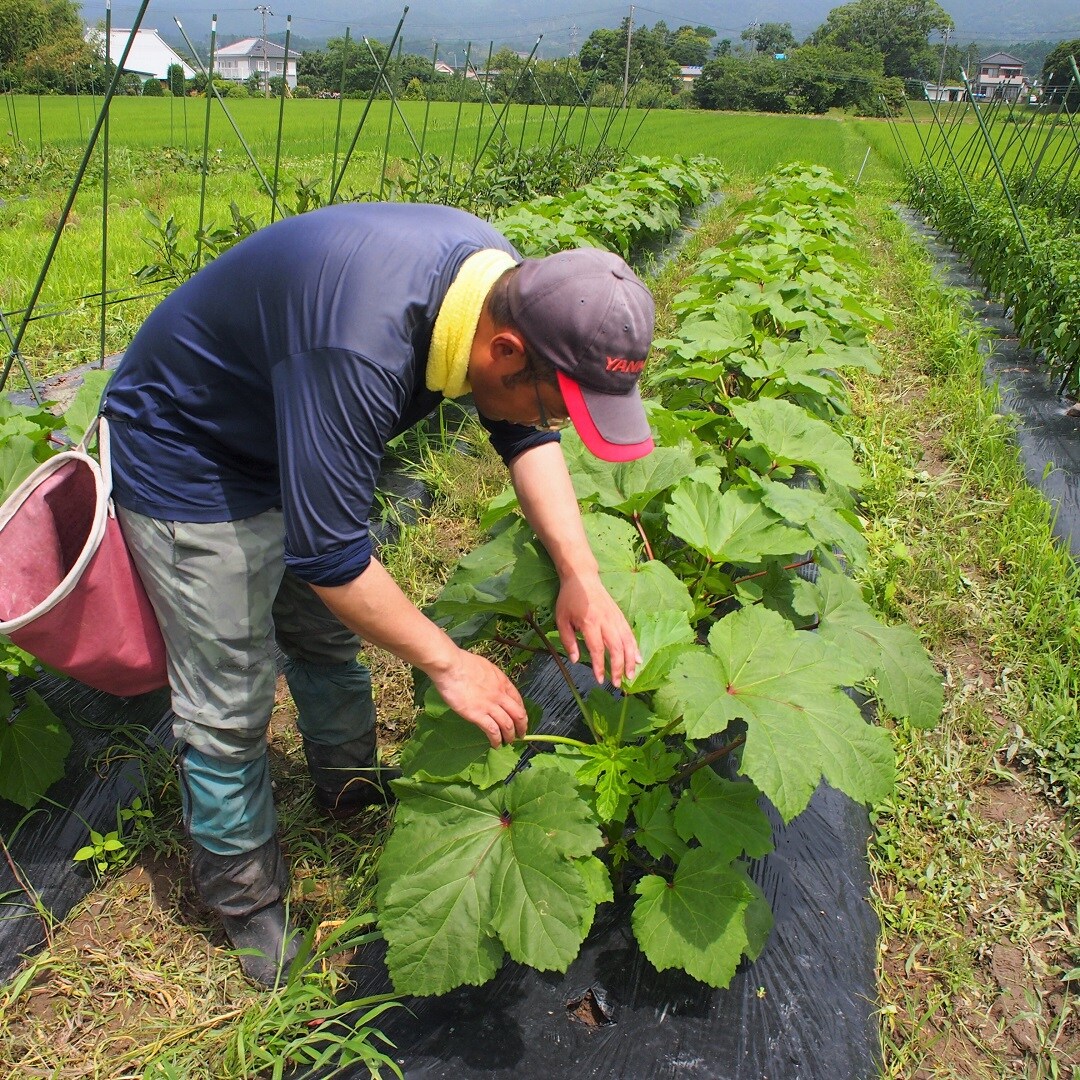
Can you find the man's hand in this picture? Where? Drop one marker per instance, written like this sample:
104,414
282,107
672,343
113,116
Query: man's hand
374,607
481,693
586,608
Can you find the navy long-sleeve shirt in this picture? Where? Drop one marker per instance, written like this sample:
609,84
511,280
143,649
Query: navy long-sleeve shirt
276,376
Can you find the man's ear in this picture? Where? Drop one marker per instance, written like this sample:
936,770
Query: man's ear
507,347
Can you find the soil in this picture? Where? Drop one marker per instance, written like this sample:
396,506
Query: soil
1018,996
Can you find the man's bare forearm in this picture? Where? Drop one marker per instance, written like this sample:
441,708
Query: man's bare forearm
547,499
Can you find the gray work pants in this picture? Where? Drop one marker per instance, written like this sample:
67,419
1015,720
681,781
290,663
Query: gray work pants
222,597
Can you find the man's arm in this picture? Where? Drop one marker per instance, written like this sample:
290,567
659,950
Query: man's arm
373,606
584,607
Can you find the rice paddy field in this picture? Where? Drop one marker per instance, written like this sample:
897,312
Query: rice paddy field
155,156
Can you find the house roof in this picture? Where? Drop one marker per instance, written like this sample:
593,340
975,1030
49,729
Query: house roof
1002,58
149,55
255,47
690,69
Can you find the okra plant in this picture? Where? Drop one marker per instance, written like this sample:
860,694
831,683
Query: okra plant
725,547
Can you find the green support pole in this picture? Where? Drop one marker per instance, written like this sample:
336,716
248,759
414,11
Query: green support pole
544,107
389,115
1000,172
105,195
28,312
19,358
367,108
948,146
206,135
395,105
505,108
901,148
1050,123
340,103
480,115
232,123
457,122
427,113
280,118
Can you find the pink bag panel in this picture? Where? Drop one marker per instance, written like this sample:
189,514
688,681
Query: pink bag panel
69,592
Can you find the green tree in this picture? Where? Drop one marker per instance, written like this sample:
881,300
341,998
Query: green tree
175,78
898,29
42,47
1057,74
152,88
690,46
770,37
604,52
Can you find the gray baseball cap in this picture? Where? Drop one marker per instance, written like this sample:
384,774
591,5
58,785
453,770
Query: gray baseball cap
591,316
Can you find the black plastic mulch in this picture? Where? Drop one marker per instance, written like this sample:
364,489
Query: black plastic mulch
1046,435
803,1009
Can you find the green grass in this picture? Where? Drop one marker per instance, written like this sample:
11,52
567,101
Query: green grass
973,859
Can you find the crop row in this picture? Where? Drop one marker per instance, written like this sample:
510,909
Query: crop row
1033,266
724,547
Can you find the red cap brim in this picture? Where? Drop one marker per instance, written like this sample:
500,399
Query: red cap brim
585,426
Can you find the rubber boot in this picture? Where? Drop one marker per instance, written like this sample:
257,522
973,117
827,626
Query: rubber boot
247,891
348,778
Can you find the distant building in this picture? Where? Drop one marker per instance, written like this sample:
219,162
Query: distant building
689,72
943,93
442,68
254,56
1001,78
149,58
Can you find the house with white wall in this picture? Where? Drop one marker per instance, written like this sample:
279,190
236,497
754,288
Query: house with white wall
1001,78
149,58
254,56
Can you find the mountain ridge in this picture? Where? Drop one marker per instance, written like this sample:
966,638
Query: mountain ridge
563,24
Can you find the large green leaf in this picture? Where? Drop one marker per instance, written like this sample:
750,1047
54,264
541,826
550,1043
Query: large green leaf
697,921
734,527
17,462
655,820
661,636
907,682
467,873
83,410
509,575
814,510
724,817
635,586
630,486
33,746
446,747
791,436
786,685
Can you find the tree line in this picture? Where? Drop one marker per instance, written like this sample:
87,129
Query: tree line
865,56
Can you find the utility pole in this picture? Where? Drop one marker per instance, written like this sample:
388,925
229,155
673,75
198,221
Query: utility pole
263,10
626,68
573,39
941,70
